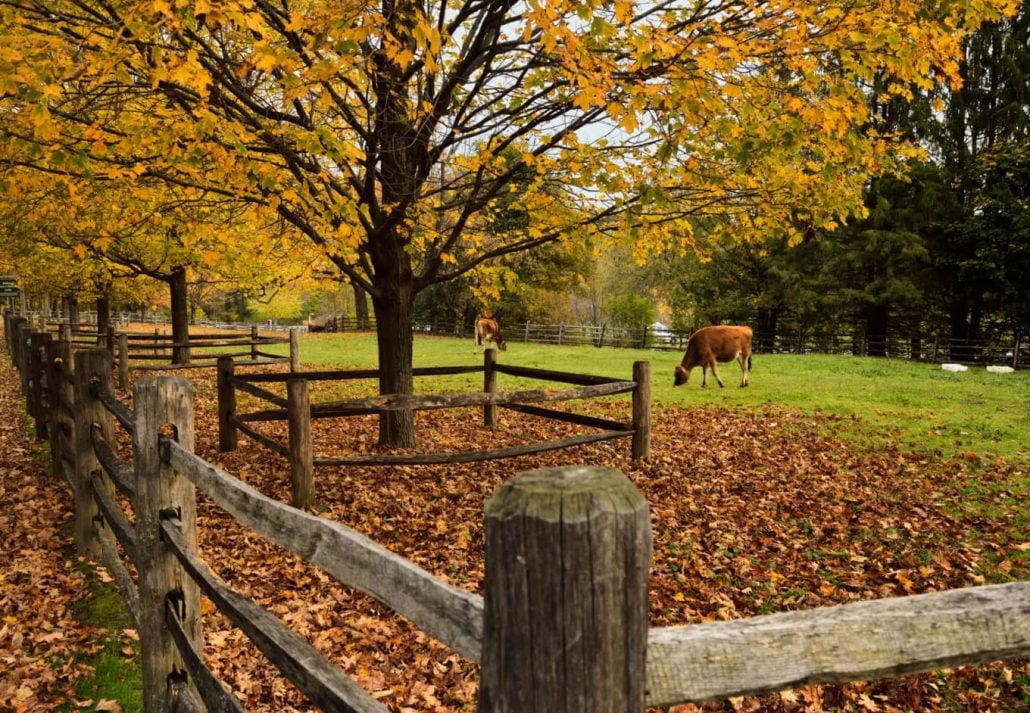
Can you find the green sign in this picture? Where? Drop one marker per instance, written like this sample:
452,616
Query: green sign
8,280
8,291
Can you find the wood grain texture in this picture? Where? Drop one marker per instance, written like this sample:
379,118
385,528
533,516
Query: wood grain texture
302,483
91,365
565,629
162,405
122,475
850,642
449,614
115,519
227,437
122,413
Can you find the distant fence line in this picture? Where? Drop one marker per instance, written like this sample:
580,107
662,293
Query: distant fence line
566,550
934,348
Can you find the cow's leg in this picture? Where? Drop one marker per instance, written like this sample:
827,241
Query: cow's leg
742,360
715,373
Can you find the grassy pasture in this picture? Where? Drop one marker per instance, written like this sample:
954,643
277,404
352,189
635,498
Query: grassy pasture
908,405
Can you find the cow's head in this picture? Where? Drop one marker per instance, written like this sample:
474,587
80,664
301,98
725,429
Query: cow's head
502,345
681,376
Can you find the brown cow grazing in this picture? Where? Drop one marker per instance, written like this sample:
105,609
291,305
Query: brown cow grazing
487,330
708,345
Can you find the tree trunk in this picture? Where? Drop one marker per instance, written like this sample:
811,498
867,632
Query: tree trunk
180,316
71,310
876,319
103,317
958,314
393,334
767,319
360,307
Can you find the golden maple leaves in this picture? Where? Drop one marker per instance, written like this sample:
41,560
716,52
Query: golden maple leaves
635,119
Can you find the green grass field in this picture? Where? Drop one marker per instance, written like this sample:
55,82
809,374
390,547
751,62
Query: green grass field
910,405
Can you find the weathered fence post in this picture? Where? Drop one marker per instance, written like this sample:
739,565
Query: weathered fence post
21,348
111,339
253,342
641,410
61,395
38,342
227,436
294,350
490,387
565,620
163,406
1015,352
91,365
298,411
123,361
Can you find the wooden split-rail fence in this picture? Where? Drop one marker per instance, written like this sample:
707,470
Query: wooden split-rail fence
145,351
296,408
562,626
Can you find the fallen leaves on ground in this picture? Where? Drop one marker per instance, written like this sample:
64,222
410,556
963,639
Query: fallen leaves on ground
752,512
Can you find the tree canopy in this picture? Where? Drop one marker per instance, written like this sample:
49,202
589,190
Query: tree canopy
385,132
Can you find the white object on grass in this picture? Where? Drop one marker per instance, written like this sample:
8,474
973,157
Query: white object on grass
954,367
1000,369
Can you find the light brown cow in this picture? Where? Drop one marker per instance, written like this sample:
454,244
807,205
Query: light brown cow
708,345
487,330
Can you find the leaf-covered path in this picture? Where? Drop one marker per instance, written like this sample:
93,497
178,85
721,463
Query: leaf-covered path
40,579
752,513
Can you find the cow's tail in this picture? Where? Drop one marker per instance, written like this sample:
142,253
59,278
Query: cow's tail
749,362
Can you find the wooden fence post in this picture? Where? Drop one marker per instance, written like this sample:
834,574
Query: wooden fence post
21,349
227,436
163,405
253,342
294,350
123,361
38,342
61,395
111,340
298,411
641,410
489,386
91,365
565,619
